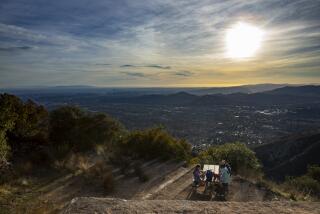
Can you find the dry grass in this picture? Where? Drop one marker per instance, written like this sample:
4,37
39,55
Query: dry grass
285,191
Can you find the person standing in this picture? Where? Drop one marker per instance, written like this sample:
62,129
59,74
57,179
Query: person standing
196,176
225,177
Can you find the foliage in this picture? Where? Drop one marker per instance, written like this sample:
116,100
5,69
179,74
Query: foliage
74,130
308,183
29,132
239,156
155,143
23,127
8,116
314,172
4,148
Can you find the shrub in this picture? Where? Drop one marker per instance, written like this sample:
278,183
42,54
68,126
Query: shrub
74,130
140,173
99,174
108,182
4,149
155,143
21,127
239,156
314,172
304,184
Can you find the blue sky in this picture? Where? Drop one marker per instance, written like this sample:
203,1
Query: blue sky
155,43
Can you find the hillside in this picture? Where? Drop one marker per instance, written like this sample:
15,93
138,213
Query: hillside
72,153
306,90
289,156
52,192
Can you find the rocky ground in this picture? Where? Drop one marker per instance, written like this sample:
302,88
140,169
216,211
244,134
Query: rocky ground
111,205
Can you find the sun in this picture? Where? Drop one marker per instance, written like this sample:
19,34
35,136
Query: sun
243,40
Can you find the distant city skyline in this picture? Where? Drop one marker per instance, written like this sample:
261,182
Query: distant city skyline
159,43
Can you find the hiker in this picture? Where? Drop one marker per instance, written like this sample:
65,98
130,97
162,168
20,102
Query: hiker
196,176
208,181
209,176
229,168
225,177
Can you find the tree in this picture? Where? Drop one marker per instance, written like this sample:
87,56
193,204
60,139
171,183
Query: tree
21,124
9,107
240,157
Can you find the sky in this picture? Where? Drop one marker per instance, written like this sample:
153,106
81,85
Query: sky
155,43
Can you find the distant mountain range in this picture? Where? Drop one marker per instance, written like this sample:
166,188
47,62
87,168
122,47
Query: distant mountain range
143,91
280,96
246,89
306,90
291,155
251,95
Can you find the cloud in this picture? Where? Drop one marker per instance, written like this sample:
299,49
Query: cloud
134,74
10,49
158,66
146,66
184,73
128,66
103,64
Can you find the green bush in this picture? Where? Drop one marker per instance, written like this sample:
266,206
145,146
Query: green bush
155,143
22,126
314,172
74,130
238,155
4,148
306,184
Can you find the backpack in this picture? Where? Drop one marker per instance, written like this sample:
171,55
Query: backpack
228,169
209,174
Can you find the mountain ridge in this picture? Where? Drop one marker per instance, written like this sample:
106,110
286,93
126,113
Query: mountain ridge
289,156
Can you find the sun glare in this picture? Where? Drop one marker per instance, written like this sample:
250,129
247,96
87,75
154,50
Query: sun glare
243,40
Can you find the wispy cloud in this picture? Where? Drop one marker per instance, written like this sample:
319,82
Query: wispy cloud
19,48
128,66
184,73
134,74
146,66
103,64
158,67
